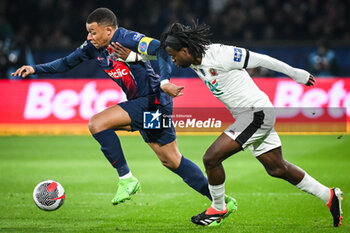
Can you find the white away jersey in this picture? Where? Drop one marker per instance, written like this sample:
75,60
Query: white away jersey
223,71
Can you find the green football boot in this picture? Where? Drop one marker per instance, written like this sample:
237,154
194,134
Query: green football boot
214,218
232,206
126,188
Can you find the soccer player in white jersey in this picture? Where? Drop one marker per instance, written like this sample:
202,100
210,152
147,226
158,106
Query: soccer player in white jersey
222,68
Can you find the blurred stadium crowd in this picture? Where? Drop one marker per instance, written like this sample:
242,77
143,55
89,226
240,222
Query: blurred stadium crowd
60,24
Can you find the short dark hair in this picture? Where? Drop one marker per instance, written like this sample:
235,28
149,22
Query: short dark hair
194,38
102,16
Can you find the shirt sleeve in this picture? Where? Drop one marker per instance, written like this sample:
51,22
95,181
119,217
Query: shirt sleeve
66,63
151,47
137,42
146,58
257,60
134,57
165,65
231,57
147,46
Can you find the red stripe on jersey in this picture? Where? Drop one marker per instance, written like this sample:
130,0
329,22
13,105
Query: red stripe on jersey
110,50
121,71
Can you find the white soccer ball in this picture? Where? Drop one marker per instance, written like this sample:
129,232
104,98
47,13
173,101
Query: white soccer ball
49,195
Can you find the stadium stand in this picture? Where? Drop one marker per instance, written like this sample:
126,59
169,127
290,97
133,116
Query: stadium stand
52,28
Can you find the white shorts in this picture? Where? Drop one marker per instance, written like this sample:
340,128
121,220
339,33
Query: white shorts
255,129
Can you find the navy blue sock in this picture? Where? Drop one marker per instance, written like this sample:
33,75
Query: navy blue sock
193,176
111,148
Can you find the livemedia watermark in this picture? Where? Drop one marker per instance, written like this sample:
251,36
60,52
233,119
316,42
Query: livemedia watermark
302,120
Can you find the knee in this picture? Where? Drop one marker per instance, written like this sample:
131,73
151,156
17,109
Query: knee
209,158
169,160
278,172
94,125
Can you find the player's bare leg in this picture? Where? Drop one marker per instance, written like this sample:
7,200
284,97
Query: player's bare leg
170,157
102,126
114,117
191,174
276,166
220,150
168,154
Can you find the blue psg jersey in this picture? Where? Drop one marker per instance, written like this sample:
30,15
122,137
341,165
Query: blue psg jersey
136,79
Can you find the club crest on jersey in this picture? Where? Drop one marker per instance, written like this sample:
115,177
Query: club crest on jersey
237,55
143,46
83,44
213,71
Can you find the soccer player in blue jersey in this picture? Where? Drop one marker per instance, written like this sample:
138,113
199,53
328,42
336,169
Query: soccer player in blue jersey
142,88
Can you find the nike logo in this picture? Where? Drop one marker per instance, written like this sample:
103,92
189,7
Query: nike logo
61,197
100,58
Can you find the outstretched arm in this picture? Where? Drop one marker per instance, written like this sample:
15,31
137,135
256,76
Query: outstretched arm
231,57
24,71
57,66
299,75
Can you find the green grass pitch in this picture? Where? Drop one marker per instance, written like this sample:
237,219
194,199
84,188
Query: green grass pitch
165,204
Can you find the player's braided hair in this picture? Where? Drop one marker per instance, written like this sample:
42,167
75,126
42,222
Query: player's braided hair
192,37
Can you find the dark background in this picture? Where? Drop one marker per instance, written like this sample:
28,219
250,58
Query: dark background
286,30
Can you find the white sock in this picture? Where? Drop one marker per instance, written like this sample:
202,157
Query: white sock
312,186
125,176
217,192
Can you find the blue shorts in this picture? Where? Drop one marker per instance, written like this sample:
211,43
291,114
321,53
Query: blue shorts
136,108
